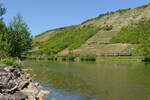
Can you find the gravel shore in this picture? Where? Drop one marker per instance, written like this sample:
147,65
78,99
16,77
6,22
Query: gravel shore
16,84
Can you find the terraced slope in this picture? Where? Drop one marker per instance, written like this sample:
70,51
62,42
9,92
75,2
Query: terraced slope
109,25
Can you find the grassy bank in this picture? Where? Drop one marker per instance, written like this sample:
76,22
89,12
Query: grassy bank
92,58
129,59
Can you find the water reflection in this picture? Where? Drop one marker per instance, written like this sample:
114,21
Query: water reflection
97,81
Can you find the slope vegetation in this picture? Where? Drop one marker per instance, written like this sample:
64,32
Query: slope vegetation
135,33
92,36
70,37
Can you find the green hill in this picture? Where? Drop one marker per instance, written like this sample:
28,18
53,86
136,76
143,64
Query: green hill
103,34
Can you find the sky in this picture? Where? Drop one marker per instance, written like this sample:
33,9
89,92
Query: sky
43,15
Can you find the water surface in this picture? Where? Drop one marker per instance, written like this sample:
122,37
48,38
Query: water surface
93,81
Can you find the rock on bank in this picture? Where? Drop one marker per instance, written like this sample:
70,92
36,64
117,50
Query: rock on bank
16,85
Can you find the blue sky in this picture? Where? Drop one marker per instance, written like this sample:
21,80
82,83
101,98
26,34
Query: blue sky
42,15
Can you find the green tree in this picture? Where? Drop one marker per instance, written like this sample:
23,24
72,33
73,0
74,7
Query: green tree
2,10
18,37
3,31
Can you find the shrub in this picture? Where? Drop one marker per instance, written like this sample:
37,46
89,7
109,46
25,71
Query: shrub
52,58
121,11
10,62
146,59
69,57
107,27
88,57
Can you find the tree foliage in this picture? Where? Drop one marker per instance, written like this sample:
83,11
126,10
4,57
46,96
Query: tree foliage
14,39
18,37
3,39
2,10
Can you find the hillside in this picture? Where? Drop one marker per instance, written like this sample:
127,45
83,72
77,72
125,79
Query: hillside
92,36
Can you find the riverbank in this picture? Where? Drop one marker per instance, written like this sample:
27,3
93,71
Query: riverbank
96,59
16,84
120,59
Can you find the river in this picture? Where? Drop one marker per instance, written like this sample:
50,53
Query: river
93,81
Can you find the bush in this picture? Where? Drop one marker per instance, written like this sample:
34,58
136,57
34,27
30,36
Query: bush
88,57
10,62
52,58
107,27
121,11
146,59
69,57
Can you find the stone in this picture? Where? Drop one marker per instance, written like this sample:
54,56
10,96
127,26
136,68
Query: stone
42,94
20,96
14,85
